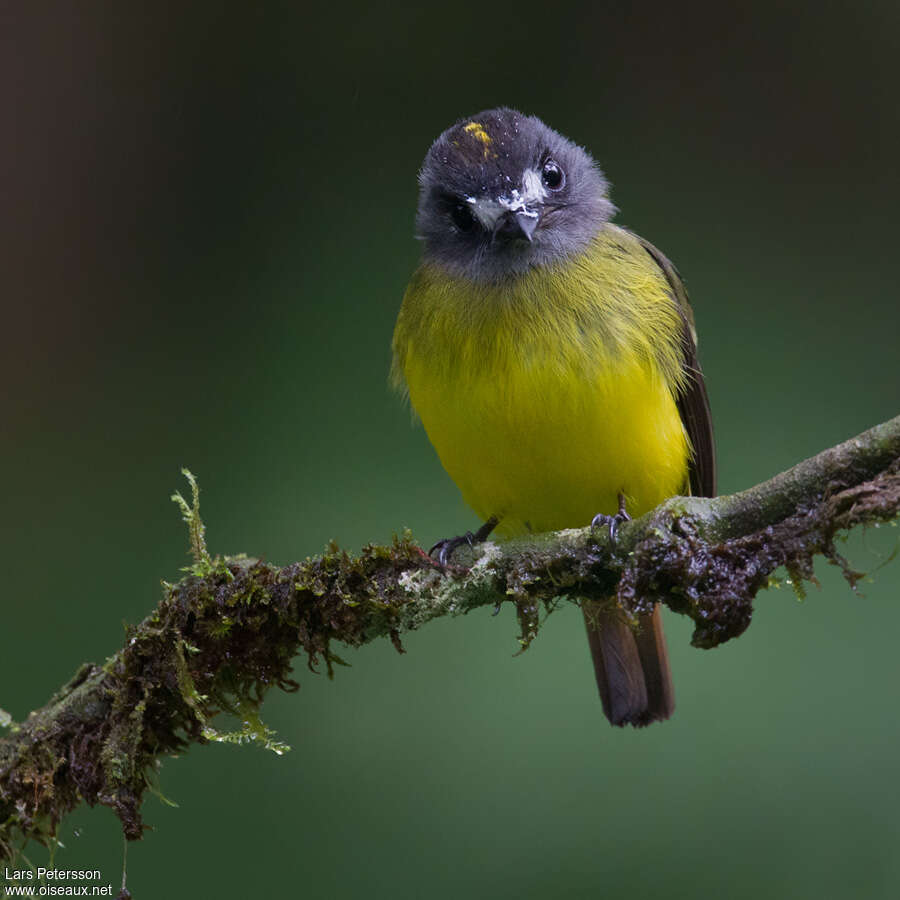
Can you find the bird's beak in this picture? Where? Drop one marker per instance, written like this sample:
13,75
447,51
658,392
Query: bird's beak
517,225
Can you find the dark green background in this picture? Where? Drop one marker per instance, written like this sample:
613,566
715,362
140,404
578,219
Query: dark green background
206,233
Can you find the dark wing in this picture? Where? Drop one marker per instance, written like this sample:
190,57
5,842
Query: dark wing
693,403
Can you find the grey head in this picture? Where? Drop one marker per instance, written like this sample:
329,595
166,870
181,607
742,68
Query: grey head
501,193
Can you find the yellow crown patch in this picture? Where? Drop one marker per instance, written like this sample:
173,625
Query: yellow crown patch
476,129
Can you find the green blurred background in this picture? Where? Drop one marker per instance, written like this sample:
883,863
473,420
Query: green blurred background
206,233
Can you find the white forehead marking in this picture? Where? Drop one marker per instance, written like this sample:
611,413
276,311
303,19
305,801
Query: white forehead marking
533,190
488,210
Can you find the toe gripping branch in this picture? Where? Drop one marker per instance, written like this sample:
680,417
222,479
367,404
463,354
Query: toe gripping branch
446,547
613,522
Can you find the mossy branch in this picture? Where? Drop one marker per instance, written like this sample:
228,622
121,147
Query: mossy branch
229,630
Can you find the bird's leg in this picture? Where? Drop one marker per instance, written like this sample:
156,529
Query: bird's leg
446,547
614,522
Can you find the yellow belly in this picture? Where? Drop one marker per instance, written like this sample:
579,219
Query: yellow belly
547,397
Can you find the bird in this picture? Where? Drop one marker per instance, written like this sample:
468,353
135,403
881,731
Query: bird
551,356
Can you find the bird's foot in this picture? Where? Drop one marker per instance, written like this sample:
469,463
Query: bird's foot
613,522
446,547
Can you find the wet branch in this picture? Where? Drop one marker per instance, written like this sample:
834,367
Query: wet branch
231,629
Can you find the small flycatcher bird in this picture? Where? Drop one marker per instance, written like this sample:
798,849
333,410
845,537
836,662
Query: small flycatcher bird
552,359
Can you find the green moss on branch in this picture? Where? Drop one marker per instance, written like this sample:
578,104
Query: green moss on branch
231,629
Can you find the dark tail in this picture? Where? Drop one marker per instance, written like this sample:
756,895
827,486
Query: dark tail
632,667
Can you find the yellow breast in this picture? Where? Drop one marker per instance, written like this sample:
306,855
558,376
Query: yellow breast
547,395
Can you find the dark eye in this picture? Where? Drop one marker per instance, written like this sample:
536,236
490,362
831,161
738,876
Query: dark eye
462,217
552,175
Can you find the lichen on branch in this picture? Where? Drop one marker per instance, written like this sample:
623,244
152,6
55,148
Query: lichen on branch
232,627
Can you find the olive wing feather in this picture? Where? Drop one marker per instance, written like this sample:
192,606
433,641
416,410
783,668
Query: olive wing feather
693,402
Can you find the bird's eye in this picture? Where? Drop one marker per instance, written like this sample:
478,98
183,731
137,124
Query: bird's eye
462,217
552,175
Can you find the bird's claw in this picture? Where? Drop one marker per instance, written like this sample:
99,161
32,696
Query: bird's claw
446,547
613,522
